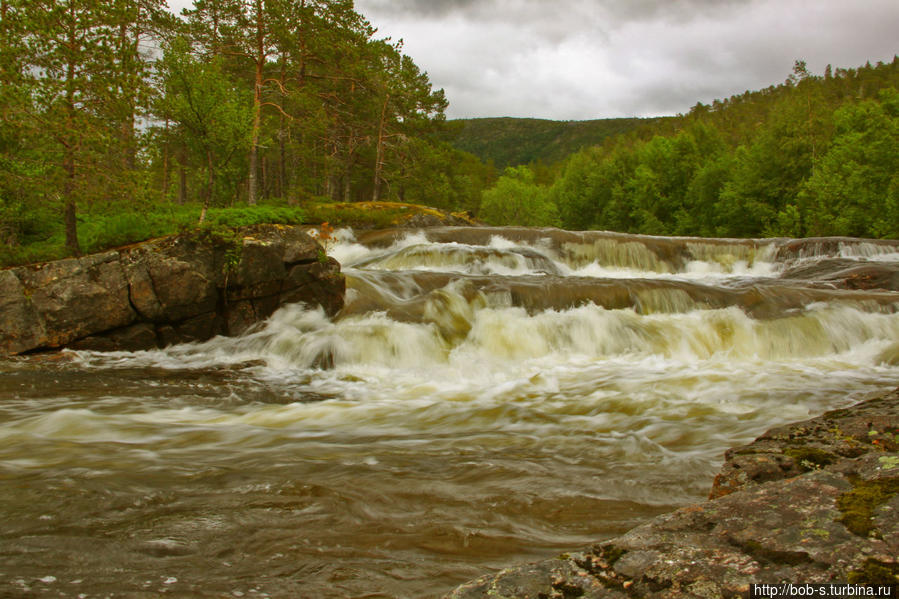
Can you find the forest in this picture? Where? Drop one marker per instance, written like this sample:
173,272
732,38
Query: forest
121,121
813,156
508,141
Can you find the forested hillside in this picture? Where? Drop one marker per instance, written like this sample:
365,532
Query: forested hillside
816,155
513,141
118,116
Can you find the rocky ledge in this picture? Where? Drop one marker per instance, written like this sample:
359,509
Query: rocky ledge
812,502
175,289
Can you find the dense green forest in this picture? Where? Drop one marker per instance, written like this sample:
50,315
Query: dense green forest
816,155
120,120
510,141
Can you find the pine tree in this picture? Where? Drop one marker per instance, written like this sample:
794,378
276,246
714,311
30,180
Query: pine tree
70,48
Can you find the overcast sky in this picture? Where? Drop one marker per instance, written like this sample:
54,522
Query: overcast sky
583,59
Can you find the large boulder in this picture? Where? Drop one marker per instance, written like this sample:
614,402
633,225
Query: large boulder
181,288
58,302
174,278
21,327
813,502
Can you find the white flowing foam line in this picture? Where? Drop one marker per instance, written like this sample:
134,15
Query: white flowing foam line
872,251
852,250
537,395
295,339
350,254
763,266
696,270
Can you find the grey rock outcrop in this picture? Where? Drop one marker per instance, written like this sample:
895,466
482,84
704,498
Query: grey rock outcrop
812,502
175,289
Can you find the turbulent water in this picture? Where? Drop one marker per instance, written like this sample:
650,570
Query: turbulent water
487,396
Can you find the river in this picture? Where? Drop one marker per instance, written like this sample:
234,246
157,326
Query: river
486,397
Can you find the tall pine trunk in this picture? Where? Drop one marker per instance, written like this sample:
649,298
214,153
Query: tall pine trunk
165,160
282,135
70,217
182,176
379,153
210,180
253,178
128,50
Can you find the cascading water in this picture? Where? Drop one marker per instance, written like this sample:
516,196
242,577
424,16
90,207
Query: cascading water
487,396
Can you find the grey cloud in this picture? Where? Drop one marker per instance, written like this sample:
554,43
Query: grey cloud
666,10
515,10
572,59
423,8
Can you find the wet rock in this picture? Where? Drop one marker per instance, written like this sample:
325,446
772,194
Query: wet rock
441,219
170,290
315,283
842,273
241,316
817,247
132,338
174,278
810,502
827,441
20,322
870,276
70,299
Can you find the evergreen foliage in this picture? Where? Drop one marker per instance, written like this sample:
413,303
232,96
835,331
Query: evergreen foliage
112,111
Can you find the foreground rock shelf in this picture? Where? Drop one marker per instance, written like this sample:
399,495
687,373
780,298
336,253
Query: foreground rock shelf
816,501
171,290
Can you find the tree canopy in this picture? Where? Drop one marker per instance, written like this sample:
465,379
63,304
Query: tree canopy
814,156
121,107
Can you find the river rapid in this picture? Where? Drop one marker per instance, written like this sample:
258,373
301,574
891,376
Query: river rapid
486,397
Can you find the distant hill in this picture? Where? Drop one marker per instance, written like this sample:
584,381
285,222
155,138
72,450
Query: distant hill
513,141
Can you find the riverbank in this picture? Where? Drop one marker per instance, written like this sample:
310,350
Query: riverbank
105,230
175,289
811,502
217,279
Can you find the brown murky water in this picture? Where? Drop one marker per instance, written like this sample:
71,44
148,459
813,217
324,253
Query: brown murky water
487,397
